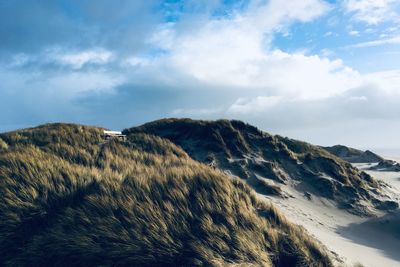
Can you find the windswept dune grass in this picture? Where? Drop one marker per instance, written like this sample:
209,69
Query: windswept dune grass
249,153
70,199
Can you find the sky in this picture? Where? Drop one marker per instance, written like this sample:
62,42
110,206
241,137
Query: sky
326,72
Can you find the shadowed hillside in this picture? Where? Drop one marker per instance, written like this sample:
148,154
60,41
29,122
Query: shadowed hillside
353,155
70,199
357,156
270,163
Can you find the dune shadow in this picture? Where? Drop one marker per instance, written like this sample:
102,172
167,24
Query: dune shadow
381,233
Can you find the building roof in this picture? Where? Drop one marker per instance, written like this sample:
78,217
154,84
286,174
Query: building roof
112,132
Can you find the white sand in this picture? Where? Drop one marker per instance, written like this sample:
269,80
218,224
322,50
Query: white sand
371,242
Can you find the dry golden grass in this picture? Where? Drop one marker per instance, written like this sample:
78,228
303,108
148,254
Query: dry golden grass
248,152
69,199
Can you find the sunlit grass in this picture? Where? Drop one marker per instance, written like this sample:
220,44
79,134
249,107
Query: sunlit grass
68,198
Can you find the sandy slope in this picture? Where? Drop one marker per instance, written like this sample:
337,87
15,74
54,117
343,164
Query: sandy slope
373,242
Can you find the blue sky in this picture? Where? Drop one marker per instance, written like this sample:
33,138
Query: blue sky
323,71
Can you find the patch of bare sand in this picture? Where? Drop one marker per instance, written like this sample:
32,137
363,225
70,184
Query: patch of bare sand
373,242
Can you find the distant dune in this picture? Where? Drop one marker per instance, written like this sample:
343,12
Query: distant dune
354,155
357,156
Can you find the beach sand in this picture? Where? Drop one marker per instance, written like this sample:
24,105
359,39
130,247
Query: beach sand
373,242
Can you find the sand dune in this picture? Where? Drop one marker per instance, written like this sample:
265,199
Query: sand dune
281,170
373,242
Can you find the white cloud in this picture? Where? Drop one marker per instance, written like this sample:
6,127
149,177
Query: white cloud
73,84
358,98
79,59
34,97
236,51
327,53
373,11
277,13
63,57
236,58
354,33
367,113
60,85
257,104
387,81
137,61
386,41
163,37
18,60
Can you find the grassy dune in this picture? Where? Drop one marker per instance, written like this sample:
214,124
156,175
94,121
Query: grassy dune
250,153
68,198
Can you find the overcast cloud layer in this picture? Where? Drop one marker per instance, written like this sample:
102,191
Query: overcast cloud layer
322,71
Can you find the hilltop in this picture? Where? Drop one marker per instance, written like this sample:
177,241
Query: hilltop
354,155
71,198
358,156
272,164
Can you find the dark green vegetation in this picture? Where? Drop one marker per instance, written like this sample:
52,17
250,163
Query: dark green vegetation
70,199
268,162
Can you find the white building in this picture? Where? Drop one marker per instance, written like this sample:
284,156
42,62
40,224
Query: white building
107,135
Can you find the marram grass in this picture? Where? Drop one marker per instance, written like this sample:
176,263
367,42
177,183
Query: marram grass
70,199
